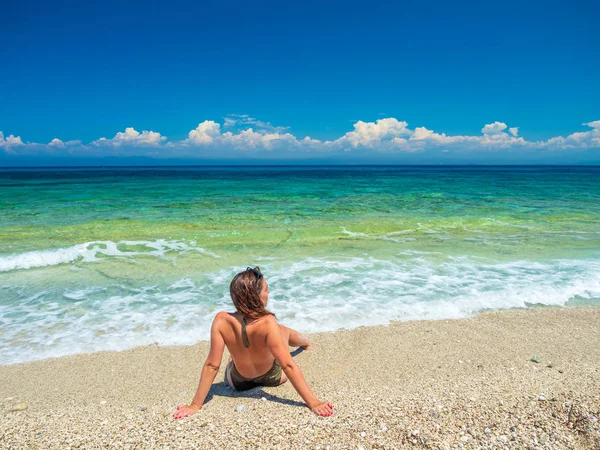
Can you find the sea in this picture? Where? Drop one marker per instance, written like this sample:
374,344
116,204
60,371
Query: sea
111,258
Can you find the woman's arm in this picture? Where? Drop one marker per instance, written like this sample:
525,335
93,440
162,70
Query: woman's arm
209,370
281,352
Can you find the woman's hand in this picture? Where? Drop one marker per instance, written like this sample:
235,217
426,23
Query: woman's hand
323,409
185,411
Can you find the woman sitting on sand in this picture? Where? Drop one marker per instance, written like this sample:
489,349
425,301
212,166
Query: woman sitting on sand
258,345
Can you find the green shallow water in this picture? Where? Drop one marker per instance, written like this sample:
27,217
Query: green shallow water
550,209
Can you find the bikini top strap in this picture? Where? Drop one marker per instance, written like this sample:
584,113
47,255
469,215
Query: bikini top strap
245,334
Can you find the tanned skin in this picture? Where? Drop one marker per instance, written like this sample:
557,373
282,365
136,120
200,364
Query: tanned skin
269,341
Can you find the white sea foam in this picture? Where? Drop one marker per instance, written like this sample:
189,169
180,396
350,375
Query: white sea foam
89,251
311,294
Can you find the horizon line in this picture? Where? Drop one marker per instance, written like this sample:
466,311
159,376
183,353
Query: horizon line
129,166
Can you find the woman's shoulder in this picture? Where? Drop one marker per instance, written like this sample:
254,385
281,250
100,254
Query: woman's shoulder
267,321
224,316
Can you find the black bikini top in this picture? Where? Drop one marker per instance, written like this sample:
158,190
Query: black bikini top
245,334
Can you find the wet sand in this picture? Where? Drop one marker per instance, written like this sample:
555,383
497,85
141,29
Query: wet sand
467,383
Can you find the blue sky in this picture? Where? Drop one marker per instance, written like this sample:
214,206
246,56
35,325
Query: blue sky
82,71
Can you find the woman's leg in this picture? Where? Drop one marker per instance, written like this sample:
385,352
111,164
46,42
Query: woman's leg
295,339
228,374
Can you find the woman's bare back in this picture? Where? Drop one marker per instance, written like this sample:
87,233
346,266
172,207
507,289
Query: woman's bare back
257,359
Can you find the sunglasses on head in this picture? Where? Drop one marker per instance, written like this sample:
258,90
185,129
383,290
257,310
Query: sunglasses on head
256,270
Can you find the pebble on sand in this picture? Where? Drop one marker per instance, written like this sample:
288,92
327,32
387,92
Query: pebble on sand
19,407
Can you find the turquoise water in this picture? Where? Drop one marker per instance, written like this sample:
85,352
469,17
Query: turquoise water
98,259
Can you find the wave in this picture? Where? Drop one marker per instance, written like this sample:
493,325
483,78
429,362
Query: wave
311,294
89,251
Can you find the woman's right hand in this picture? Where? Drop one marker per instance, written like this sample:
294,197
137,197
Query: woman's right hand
323,409
185,411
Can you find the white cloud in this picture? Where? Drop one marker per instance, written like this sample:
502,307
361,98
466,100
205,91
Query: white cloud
493,136
244,119
209,133
229,122
62,144
250,139
10,141
383,135
427,138
584,139
14,140
205,133
369,134
494,128
502,140
595,124
246,139
422,133
131,137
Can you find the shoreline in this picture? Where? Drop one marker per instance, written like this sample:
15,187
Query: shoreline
390,323
468,382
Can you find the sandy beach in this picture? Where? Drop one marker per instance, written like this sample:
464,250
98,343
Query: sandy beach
467,383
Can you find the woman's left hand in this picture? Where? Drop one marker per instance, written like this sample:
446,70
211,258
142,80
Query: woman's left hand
185,411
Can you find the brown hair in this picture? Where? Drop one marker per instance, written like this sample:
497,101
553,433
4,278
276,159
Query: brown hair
245,291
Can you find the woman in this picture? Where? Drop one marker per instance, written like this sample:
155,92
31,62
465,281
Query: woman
258,346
